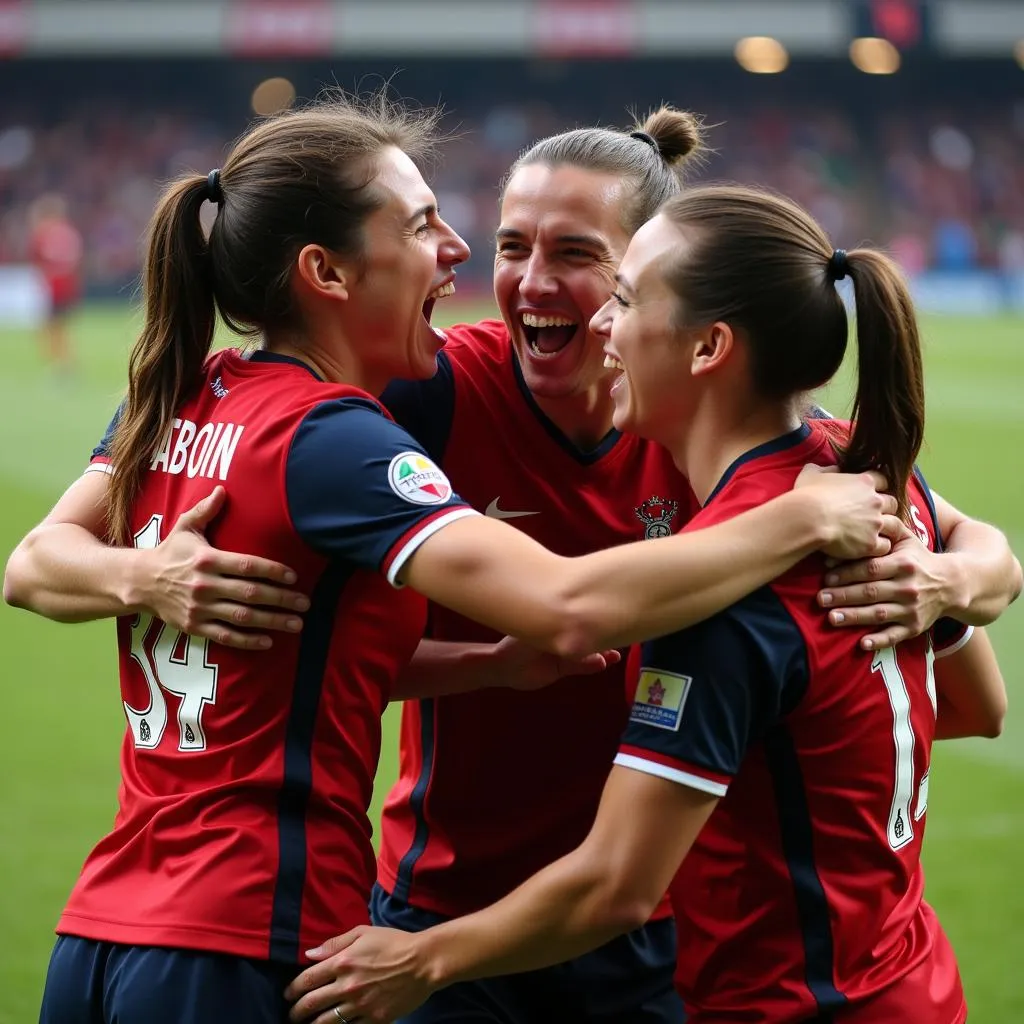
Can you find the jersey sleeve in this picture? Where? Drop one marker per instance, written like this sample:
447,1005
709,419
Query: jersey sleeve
361,489
99,461
705,694
425,408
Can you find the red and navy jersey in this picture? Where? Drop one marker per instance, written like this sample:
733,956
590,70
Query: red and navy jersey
496,784
246,776
802,898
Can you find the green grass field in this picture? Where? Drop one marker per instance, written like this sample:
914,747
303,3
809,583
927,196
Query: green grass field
58,758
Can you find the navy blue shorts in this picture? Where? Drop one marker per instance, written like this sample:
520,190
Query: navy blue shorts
92,982
626,981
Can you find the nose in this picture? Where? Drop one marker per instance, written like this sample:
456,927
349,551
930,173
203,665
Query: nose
453,248
601,321
537,280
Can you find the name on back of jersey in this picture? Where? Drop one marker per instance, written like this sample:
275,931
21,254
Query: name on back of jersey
204,451
660,698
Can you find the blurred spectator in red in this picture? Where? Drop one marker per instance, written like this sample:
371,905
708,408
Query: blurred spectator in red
55,248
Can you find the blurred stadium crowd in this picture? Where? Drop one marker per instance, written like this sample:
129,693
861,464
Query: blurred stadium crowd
942,185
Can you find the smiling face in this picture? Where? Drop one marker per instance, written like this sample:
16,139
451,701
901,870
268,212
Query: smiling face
653,389
559,243
408,260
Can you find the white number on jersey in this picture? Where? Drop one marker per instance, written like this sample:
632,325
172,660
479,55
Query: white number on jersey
187,674
901,819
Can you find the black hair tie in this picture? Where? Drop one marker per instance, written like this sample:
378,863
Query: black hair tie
838,265
214,193
649,139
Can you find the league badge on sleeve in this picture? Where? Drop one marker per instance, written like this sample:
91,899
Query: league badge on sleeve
415,478
660,697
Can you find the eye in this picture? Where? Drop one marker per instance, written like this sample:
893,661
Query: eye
620,301
511,247
577,254
423,229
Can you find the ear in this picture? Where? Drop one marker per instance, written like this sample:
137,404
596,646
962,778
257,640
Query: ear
323,272
712,348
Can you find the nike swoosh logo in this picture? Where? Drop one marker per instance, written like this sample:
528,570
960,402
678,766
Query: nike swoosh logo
494,512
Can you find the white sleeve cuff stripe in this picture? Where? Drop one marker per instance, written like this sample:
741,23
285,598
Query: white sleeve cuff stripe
663,771
99,467
410,546
945,652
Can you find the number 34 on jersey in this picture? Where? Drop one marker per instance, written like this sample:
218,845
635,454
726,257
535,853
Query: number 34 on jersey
171,662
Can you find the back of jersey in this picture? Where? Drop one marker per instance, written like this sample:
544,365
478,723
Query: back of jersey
803,894
239,766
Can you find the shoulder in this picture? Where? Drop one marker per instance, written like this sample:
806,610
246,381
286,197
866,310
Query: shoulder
485,341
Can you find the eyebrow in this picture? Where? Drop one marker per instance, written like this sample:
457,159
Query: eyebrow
423,211
624,284
592,241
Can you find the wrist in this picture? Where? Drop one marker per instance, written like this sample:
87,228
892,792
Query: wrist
809,518
434,966
956,584
133,582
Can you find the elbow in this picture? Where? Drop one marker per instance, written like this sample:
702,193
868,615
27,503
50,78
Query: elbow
992,725
16,588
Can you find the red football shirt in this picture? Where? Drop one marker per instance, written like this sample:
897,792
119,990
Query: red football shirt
496,784
246,776
802,898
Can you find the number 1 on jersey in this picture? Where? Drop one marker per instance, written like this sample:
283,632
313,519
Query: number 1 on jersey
900,827
176,663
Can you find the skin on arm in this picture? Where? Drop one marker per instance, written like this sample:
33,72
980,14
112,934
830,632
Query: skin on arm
440,668
973,581
63,570
609,885
496,575
970,691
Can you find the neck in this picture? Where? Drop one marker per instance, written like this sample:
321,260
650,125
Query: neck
720,433
585,418
335,364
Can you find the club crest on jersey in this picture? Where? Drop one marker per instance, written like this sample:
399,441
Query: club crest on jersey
657,514
660,697
415,478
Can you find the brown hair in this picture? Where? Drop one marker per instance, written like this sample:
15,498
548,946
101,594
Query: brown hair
301,177
763,265
650,156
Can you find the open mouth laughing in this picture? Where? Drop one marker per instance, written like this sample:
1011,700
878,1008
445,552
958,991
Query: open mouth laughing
546,336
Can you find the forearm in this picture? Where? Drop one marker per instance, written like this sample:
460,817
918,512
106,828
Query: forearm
64,572
622,596
438,668
984,577
970,691
560,913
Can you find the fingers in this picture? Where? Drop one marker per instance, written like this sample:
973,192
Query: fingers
882,547
223,634
245,592
877,481
892,525
889,637
871,615
230,563
865,570
201,514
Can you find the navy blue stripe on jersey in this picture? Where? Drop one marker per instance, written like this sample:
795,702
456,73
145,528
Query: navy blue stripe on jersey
261,355
417,798
927,492
773,447
586,457
102,450
346,469
744,669
426,408
797,834
293,799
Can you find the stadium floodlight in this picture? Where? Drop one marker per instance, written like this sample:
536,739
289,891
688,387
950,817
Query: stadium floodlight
874,56
761,55
272,96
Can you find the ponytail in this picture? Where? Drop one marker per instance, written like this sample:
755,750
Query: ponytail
888,410
167,360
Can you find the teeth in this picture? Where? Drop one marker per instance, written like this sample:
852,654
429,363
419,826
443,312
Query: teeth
443,291
612,363
532,320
